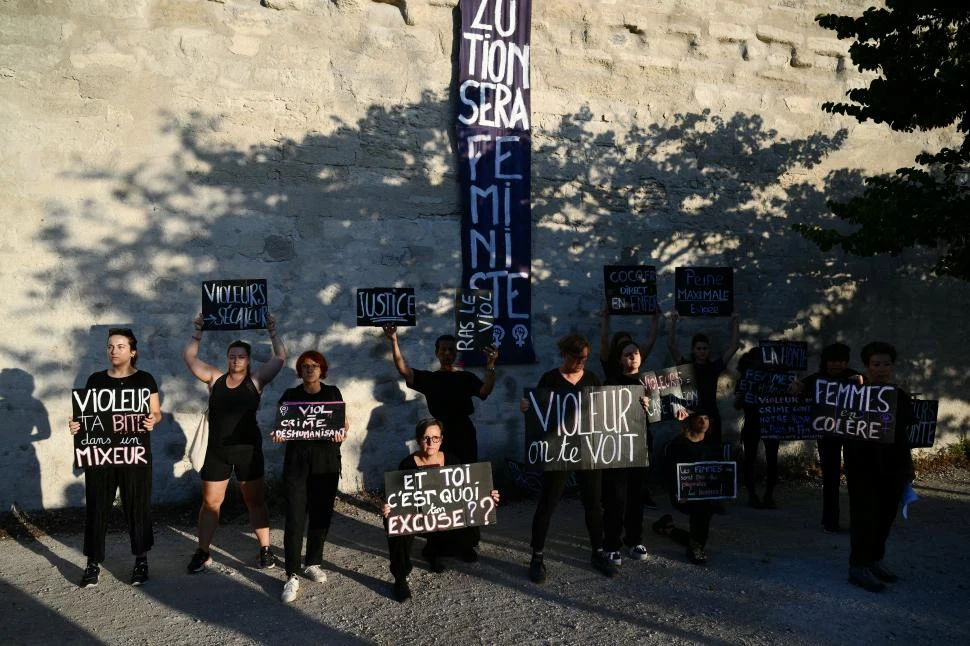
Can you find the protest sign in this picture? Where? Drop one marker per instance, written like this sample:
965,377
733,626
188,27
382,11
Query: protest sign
754,382
380,306
630,289
308,421
704,291
234,304
494,146
669,390
474,319
862,412
439,499
784,355
784,417
922,434
706,481
585,428
111,427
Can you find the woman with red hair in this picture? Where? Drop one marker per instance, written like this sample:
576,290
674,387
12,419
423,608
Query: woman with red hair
311,471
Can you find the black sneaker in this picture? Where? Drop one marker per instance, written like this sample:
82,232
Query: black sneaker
469,555
755,502
865,579
769,502
537,569
266,558
402,591
200,560
601,561
434,562
90,577
883,573
139,575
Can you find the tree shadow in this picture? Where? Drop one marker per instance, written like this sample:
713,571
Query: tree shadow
312,216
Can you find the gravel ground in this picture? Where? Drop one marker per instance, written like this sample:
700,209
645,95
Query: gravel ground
774,578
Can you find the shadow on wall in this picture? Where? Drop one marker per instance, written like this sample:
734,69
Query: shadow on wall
376,202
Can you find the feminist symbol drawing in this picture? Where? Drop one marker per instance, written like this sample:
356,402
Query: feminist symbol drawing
520,333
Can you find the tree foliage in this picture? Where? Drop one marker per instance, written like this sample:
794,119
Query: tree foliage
920,50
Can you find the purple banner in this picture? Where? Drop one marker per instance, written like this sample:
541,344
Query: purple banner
495,167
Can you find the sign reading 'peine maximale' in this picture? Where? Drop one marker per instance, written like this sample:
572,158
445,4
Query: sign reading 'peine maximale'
494,167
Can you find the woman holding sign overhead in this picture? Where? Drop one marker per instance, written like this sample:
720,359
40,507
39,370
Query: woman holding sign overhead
234,442
311,471
134,481
429,434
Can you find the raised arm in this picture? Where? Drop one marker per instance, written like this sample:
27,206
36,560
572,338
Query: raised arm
672,336
491,356
268,371
390,331
202,370
647,346
605,333
735,343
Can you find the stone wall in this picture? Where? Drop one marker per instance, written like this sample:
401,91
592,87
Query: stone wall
149,144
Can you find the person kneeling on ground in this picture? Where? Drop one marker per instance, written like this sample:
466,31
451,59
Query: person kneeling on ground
456,542
690,446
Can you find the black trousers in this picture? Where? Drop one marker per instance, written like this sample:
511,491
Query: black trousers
699,513
750,441
591,493
875,491
449,543
830,459
308,496
100,485
623,504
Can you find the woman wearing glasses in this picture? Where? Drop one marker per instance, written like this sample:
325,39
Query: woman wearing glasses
456,542
311,472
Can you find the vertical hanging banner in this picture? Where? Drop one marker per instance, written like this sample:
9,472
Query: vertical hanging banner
495,167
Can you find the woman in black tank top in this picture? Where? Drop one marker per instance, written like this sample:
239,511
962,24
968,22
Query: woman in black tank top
234,443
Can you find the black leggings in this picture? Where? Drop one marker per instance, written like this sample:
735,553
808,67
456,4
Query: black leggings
449,543
307,495
553,486
830,458
700,513
623,500
100,485
750,441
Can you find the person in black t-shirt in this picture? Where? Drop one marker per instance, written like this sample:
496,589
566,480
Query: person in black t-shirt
429,434
311,473
877,474
570,376
611,348
449,391
134,481
234,442
706,370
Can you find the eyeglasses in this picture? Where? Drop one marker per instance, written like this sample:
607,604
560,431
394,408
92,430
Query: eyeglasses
431,439
309,366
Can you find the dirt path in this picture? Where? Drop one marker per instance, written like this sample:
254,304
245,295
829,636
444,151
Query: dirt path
774,578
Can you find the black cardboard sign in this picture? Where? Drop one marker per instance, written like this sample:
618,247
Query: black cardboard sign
630,289
922,434
704,291
668,390
380,306
234,304
439,499
474,319
308,421
784,417
111,432
706,481
586,428
784,355
843,409
753,382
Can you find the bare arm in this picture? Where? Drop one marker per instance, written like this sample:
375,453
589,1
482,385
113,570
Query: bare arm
155,413
672,336
203,371
491,355
735,343
651,335
268,371
390,331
